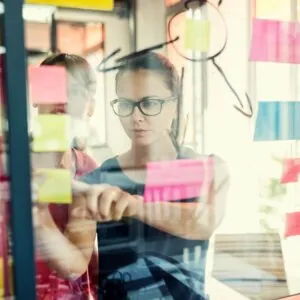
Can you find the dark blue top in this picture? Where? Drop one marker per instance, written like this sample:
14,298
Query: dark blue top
131,245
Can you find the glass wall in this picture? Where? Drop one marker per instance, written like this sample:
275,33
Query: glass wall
146,178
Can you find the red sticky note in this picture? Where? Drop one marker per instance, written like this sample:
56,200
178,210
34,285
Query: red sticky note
275,41
179,179
292,224
47,85
291,170
293,297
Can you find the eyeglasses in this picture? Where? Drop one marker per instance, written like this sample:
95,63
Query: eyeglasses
148,106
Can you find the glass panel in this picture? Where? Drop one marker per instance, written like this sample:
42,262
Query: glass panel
137,206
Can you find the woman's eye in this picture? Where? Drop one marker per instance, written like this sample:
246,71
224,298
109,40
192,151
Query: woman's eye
150,103
124,105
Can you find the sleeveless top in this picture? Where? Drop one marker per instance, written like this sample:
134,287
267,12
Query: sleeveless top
149,262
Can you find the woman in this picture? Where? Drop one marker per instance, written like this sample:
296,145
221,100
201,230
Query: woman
143,247
81,91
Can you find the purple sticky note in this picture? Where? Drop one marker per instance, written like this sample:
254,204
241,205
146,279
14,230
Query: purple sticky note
179,179
275,41
47,85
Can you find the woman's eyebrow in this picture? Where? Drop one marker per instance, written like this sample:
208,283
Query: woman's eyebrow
151,96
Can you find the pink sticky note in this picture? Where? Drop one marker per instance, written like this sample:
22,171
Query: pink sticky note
179,179
292,224
47,85
275,41
293,297
291,170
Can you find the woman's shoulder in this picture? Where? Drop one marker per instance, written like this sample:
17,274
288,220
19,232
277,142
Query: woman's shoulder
94,176
85,163
219,165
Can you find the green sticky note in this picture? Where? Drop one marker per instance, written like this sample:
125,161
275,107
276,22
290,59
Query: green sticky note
55,186
51,133
197,35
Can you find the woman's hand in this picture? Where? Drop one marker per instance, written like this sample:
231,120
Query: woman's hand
105,203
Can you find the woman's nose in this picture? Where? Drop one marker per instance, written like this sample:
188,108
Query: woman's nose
137,115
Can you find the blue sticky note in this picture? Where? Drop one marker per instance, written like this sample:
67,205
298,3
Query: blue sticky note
278,121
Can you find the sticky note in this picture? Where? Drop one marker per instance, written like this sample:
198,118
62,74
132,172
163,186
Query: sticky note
291,170
179,179
197,35
51,133
292,224
275,41
54,186
47,85
278,121
85,4
293,297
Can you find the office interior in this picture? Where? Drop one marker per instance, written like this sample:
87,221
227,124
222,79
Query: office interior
257,203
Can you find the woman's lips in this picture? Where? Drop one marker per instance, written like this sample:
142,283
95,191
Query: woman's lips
139,132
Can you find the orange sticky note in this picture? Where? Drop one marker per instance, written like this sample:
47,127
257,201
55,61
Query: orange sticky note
47,85
292,224
54,186
51,133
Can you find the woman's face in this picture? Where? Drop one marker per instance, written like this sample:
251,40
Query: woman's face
136,85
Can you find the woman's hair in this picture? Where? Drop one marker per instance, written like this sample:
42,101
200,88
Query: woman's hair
77,67
155,62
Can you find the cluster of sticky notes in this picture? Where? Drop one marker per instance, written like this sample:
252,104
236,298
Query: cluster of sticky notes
47,84
54,186
278,121
292,224
51,133
291,170
197,35
275,41
179,179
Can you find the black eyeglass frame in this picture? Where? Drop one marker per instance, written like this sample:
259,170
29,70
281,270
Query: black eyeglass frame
137,104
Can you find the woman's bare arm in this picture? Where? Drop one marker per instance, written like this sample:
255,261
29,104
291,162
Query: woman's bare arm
67,253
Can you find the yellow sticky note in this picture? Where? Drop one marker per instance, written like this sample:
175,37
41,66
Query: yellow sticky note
51,133
197,35
85,4
55,186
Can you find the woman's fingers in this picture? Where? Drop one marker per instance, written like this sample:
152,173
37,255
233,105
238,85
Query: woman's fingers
106,201
121,205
